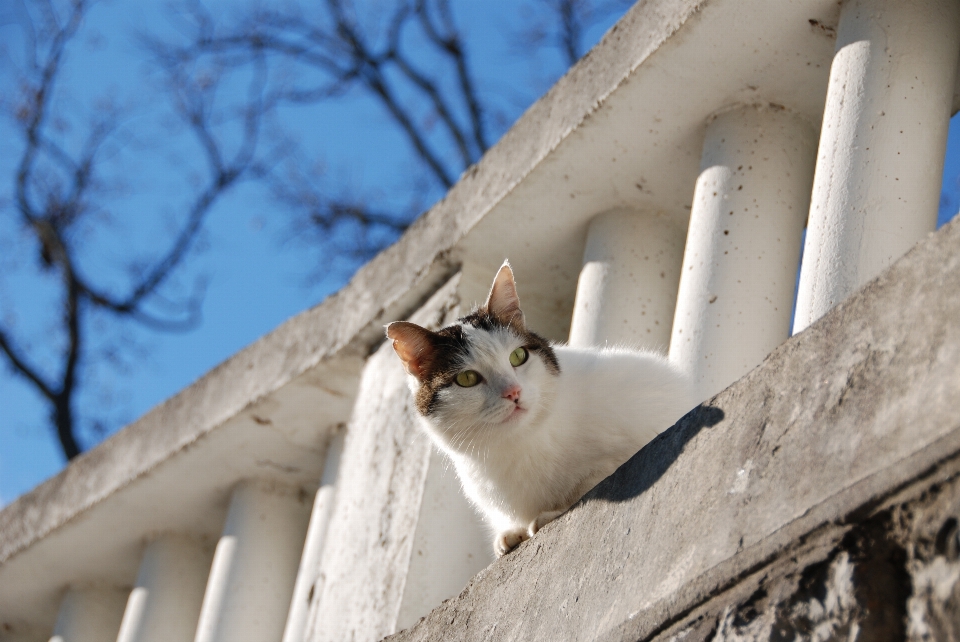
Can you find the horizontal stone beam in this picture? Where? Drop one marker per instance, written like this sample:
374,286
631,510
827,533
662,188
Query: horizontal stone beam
835,422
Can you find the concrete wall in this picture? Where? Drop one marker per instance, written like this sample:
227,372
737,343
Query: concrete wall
392,494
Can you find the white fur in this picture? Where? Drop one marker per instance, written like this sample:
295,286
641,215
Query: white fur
523,468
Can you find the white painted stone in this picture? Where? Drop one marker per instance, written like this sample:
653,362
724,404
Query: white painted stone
391,555
382,471
879,166
255,564
164,606
743,246
450,546
89,614
309,571
24,636
120,497
627,290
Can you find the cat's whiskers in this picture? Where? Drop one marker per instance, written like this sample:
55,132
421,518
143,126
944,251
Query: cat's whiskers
462,435
468,440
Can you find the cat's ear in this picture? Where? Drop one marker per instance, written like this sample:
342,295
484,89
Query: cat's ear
503,301
414,346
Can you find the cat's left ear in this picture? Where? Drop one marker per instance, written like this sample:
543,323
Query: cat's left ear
503,301
414,345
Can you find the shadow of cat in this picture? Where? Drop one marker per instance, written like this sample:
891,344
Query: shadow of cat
634,477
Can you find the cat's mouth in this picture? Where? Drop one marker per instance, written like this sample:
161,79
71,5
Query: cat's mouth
516,413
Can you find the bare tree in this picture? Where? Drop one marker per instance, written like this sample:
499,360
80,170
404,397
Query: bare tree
565,23
329,52
56,193
411,59
408,56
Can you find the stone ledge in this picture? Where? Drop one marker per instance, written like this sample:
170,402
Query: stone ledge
889,571
835,421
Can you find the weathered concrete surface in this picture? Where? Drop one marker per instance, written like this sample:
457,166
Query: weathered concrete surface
385,474
889,572
382,471
833,424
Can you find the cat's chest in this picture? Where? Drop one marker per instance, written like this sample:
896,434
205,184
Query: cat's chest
542,460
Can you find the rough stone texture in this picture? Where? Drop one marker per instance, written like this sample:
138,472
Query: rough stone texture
379,489
794,467
889,572
366,555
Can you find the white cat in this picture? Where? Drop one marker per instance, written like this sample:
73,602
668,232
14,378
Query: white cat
530,426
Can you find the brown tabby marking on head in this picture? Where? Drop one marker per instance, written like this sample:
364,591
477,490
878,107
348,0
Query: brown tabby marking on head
435,358
482,319
450,350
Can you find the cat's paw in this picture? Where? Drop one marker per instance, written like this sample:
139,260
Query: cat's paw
542,520
509,540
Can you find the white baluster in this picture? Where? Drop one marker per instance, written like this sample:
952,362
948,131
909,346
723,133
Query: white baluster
450,544
309,572
884,135
164,606
255,565
89,614
627,289
743,245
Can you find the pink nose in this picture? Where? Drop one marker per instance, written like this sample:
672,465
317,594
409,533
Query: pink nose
512,393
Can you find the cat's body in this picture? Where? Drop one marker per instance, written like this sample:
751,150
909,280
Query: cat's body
590,424
535,426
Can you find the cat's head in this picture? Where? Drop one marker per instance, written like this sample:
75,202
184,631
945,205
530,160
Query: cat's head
485,371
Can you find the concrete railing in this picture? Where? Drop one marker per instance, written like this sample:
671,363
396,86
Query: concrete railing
656,196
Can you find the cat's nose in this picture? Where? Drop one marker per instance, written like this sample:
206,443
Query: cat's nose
512,393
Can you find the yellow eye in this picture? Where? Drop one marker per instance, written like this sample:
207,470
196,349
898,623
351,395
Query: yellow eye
518,357
468,378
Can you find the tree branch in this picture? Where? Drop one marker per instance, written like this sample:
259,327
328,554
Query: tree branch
19,363
51,212
453,46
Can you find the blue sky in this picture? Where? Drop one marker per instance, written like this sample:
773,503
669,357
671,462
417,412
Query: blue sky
257,274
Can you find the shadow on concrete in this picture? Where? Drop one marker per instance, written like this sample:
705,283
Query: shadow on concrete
643,470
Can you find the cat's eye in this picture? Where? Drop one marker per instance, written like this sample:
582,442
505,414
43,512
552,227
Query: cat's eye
518,357
468,378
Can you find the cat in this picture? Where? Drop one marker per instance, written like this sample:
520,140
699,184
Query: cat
529,425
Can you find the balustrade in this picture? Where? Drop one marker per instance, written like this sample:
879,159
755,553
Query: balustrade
884,135
390,535
309,572
164,605
743,245
255,564
89,614
627,288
